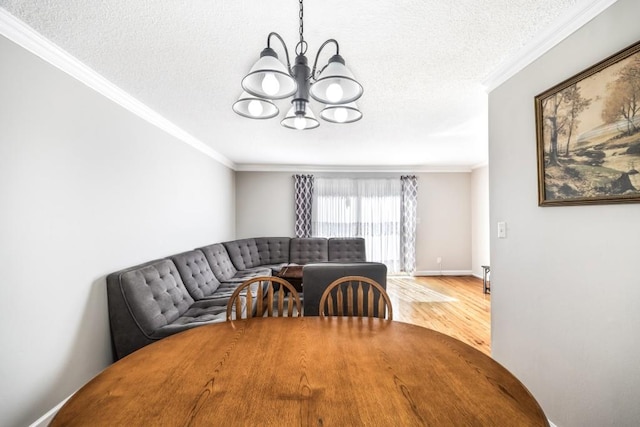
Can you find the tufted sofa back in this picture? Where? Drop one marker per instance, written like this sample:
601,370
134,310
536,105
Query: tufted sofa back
303,250
219,261
346,249
153,292
273,250
196,274
243,253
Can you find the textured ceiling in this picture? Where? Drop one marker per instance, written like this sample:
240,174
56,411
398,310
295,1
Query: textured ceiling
421,62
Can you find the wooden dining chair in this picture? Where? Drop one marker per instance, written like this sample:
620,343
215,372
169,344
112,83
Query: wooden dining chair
266,294
355,296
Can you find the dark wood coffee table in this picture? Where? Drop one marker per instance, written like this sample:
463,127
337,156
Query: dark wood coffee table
293,275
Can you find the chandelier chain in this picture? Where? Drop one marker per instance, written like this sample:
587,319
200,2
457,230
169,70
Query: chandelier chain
301,15
301,46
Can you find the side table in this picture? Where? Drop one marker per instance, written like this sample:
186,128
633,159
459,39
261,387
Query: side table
486,288
293,275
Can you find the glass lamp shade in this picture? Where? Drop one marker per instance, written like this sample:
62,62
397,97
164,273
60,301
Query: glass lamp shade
255,108
336,85
270,79
308,121
342,113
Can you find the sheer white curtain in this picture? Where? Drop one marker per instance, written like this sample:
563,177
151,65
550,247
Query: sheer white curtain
369,208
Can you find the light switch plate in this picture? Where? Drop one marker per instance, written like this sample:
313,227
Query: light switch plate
502,230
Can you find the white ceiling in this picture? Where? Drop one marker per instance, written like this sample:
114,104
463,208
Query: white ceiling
422,64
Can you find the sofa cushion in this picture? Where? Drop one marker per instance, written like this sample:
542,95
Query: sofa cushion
201,312
155,295
243,253
273,250
223,293
219,261
250,273
303,250
196,274
346,249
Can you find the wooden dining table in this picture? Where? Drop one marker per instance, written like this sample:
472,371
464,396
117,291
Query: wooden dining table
306,371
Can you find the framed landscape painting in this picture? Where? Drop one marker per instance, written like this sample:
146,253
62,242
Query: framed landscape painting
588,135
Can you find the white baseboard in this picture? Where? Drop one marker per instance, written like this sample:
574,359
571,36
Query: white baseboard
44,420
443,273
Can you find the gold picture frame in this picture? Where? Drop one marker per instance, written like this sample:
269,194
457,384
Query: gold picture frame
588,135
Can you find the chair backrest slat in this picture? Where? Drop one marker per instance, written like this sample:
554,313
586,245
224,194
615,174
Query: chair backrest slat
280,301
249,299
381,307
264,300
238,305
259,301
370,302
349,299
269,302
289,306
337,288
360,300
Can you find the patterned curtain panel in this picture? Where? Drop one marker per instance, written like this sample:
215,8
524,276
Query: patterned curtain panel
409,213
303,187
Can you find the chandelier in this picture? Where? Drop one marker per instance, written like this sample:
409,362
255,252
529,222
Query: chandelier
269,79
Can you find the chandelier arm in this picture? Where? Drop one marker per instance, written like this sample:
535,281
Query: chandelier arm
286,51
315,63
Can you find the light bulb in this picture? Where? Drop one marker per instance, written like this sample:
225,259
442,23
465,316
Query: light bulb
255,108
270,84
299,122
341,114
334,92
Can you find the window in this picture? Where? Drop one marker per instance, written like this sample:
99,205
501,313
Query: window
369,208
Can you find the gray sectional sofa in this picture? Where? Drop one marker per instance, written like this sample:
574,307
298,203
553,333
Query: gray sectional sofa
159,298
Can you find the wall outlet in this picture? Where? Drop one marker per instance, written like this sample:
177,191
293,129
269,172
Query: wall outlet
439,260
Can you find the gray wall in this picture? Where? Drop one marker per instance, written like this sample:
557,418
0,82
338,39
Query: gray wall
479,219
265,206
86,188
444,230
565,282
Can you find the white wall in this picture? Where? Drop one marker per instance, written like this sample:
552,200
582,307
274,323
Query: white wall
565,282
479,219
265,207
86,188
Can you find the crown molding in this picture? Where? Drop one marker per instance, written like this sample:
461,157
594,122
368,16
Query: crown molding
480,165
558,31
20,33
350,168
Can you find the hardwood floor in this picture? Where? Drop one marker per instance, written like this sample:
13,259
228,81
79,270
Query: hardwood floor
453,305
